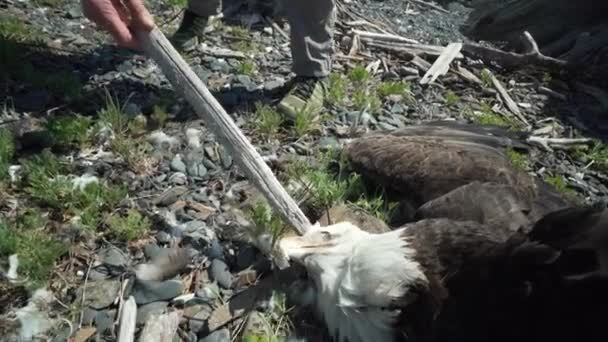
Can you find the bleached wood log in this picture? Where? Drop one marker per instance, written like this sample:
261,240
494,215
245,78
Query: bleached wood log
386,37
161,328
185,82
442,64
512,59
511,105
128,316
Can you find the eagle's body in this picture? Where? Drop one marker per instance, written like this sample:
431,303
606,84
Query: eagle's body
464,272
457,171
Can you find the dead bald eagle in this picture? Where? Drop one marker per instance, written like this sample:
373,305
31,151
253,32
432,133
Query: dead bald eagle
459,277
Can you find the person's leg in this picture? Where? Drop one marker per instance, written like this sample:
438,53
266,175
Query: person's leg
196,17
311,24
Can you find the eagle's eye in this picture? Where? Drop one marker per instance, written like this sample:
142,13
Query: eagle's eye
326,235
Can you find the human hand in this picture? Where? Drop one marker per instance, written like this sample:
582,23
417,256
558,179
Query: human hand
119,18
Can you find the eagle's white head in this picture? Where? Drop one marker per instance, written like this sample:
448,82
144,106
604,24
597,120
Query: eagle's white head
361,278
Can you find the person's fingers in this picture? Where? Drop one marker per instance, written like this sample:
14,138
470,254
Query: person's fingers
140,16
104,14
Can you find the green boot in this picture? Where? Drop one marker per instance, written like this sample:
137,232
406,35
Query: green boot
306,94
191,27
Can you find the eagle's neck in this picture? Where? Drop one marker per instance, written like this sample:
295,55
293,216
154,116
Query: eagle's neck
354,292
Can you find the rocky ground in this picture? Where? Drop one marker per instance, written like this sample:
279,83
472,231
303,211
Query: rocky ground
103,166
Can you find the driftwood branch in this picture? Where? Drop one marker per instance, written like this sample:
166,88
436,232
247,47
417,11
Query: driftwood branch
161,328
547,143
512,59
185,81
511,105
442,64
128,316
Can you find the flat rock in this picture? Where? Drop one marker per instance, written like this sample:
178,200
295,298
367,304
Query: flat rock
146,292
219,272
101,293
145,311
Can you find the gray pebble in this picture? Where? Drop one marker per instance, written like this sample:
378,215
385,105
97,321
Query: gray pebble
101,293
104,320
178,178
199,320
163,237
177,164
220,273
209,292
146,311
151,250
152,291
114,257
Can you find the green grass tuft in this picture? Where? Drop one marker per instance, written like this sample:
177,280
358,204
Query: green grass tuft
336,91
245,68
267,120
130,227
518,160
37,252
401,88
359,75
597,156
451,98
265,220
70,131
7,151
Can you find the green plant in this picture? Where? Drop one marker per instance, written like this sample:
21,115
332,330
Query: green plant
129,227
376,206
267,120
37,251
7,151
13,28
560,184
266,221
359,75
159,115
451,98
304,121
486,78
596,157
177,3
488,116
336,89
365,100
518,160
59,81
245,68
70,131
401,88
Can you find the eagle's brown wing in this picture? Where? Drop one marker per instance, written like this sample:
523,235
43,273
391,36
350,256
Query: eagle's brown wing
493,204
423,168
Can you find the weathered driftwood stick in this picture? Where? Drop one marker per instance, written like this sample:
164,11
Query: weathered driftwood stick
387,37
512,59
408,48
161,328
513,108
558,141
442,64
185,81
128,316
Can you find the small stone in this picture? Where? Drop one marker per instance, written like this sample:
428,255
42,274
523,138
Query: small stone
177,164
274,85
183,299
178,178
104,320
215,251
220,273
102,293
163,237
202,209
146,311
146,292
99,273
246,278
225,158
132,109
222,335
171,195
209,292
152,250
74,12
114,257
328,143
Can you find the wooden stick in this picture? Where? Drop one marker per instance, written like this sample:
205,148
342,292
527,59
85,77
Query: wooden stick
185,81
442,64
128,316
